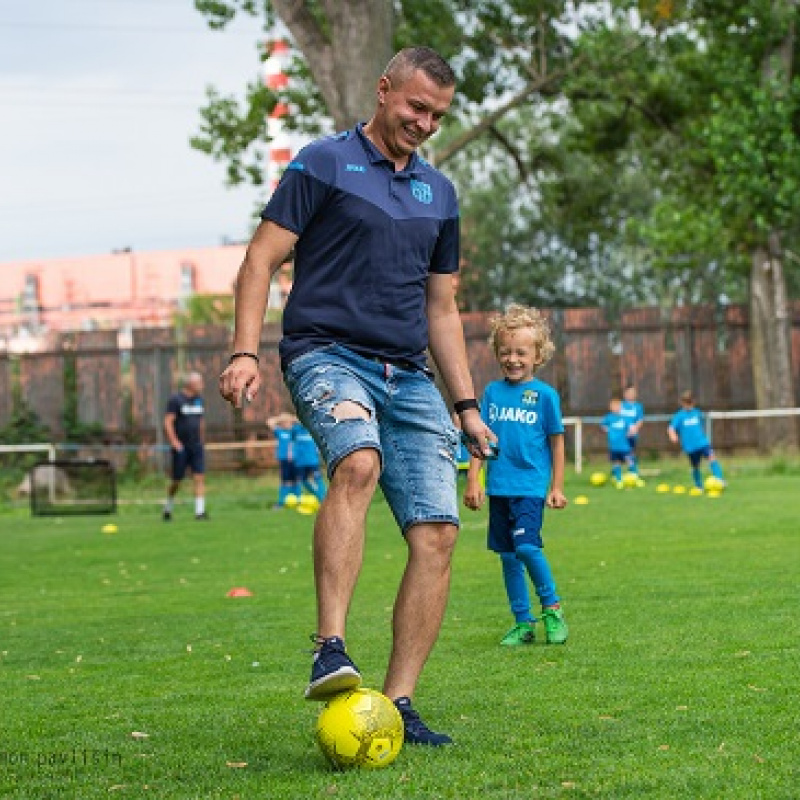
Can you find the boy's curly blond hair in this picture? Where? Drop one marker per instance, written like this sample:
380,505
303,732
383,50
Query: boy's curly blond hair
516,317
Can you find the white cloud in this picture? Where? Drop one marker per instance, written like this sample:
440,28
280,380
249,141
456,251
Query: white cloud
99,100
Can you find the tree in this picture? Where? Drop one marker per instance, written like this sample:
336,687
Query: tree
592,141
733,181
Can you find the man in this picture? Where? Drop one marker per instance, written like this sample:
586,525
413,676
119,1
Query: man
375,234
184,424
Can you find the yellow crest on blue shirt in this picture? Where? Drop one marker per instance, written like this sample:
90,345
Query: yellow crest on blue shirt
530,397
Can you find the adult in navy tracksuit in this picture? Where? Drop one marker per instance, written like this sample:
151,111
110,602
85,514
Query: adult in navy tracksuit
184,425
374,229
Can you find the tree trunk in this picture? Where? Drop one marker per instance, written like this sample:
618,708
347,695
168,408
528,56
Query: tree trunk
346,54
770,317
771,346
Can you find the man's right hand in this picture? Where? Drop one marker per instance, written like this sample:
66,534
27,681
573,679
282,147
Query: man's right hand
240,381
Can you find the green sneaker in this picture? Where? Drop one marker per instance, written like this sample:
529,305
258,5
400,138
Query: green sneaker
555,626
521,633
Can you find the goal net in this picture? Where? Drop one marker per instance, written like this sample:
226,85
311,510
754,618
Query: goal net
61,488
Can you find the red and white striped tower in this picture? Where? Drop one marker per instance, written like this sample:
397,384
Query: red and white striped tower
283,144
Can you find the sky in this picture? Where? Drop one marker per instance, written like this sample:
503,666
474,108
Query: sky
98,101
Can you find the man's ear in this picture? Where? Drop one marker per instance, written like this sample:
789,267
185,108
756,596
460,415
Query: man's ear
384,84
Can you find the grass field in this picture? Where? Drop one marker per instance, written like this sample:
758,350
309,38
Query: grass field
127,672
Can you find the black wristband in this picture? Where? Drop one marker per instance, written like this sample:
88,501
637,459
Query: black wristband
241,354
463,405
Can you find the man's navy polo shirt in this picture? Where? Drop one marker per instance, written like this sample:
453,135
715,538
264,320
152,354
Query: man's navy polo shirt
369,236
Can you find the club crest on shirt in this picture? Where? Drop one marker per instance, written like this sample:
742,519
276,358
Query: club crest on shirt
530,397
422,191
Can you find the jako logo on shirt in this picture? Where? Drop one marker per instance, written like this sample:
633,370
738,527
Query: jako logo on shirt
422,192
355,168
530,397
512,415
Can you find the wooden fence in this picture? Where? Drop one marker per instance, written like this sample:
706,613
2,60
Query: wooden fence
660,351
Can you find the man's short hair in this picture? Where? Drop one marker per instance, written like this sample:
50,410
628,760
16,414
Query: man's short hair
424,59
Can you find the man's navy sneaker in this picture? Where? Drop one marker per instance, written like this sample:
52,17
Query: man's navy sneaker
416,731
332,671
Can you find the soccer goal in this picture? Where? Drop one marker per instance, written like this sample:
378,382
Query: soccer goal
65,488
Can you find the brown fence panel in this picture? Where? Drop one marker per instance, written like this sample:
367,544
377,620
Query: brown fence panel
588,361
643,361
740,370
205,351
42,383
153,367
694,333
99,379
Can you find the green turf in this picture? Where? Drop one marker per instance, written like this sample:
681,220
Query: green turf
126,672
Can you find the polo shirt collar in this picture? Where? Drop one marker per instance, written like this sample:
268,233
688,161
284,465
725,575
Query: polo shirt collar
375,155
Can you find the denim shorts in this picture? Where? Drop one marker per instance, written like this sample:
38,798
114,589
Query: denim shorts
408,425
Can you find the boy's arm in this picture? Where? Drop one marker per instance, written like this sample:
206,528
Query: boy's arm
673,436
556,497
474,495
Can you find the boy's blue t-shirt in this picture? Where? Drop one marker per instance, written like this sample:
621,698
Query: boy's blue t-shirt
305,453
284,449
688,424
616,427
632,410
523,416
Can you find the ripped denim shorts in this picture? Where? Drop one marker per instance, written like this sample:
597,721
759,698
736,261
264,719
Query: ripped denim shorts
408,425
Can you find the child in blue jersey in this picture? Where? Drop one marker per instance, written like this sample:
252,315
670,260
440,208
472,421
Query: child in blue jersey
306,462
687,427
617,428
633,411
281,426
528,473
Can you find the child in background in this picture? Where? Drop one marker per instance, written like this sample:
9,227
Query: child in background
281,426
687,427
306,462
633,411
617,429
528,473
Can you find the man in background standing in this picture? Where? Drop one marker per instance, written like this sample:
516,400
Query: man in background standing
184,424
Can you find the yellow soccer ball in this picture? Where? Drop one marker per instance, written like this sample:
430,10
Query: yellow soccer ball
598,479
309,501
360,728
629,480
291,500
663,488
110,528
713,484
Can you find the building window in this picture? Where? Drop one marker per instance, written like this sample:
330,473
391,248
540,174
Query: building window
188,280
